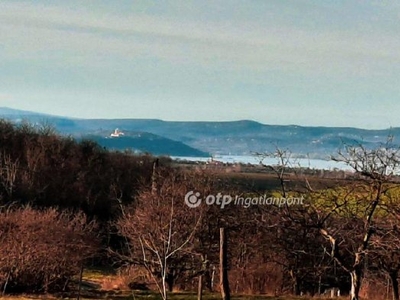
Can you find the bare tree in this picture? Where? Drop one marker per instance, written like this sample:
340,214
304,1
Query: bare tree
160,229
8,173
345,216
42,250
385,244
375,167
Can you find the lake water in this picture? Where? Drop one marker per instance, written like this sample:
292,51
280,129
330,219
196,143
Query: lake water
254,160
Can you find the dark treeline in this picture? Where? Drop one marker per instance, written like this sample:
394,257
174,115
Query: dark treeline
67,204
48,182
43,169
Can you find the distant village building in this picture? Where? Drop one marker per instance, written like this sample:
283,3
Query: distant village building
117,133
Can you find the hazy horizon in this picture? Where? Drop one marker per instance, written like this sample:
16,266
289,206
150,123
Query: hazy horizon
300,62
164,120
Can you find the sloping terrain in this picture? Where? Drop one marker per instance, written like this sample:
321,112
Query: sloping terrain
201,138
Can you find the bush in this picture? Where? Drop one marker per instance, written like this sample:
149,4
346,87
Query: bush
42,250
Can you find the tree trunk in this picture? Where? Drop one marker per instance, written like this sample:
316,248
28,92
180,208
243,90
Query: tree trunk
223,266
296,283
164,294
80,282
355,283
154,177
395,284
200,288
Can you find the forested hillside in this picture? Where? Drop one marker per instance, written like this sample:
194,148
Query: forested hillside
67,205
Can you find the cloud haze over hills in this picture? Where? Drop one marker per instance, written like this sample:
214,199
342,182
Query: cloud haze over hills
179,138
306,62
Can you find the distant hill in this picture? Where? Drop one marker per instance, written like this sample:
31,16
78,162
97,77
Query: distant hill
137,141
5,111
145,142
233,138
10,113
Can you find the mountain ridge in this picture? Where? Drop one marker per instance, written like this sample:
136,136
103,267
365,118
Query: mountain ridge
242,137
32,113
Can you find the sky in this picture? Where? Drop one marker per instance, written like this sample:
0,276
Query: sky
303,62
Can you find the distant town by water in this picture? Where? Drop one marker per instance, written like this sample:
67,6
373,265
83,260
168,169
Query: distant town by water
317,164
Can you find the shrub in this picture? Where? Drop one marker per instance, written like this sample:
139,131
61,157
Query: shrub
42,250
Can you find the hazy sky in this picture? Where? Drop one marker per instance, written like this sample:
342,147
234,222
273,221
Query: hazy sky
315,62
